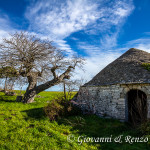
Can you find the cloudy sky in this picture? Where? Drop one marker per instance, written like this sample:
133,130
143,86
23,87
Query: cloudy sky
98,30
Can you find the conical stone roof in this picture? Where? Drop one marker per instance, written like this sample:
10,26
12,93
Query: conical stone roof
126,69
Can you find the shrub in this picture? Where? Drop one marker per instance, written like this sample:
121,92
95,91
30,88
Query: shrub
9,93
146,66
60,107
144,128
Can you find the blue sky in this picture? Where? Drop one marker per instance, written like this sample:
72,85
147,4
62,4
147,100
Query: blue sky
99,30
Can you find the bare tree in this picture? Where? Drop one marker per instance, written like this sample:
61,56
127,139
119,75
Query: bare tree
8,74
72,85
69,86
35,60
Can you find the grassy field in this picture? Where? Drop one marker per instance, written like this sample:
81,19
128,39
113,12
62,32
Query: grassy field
25,126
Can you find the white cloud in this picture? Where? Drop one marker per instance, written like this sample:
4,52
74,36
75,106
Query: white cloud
59,19
3,34
121,12
89,49
97,59
109,41
64,46
141,43
4,21
5,26
95,63
147,33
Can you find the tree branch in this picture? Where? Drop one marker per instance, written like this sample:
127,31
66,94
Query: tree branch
55,81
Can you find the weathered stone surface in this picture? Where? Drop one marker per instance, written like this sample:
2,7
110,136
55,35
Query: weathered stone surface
106,94
109,101
126,69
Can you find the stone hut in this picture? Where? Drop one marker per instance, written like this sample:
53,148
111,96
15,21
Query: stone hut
121,90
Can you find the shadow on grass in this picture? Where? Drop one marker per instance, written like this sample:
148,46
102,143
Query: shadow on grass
35,113
5,98
93,126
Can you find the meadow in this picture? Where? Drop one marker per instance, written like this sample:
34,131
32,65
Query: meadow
26,127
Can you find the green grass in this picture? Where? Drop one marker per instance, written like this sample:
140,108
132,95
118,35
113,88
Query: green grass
25,126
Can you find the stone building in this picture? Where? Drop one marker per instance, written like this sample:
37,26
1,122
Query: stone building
121,90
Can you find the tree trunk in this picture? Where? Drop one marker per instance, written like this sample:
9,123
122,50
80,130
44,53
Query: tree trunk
31,90
12,84
29,96
65,96
5,87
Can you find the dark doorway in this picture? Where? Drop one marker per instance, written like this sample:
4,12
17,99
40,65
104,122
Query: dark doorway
137,107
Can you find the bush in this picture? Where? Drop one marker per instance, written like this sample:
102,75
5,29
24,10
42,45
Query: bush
146,66
60,107
10,93
144,128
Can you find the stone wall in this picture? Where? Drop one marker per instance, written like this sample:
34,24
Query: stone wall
109,101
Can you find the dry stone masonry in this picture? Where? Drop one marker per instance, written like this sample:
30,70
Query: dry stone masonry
106,95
